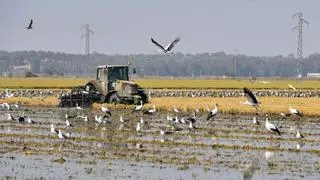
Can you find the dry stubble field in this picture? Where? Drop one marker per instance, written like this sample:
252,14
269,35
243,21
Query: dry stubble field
65,83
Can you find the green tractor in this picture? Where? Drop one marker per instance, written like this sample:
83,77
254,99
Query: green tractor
112,85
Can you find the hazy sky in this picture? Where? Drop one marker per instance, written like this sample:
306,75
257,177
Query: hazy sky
254,27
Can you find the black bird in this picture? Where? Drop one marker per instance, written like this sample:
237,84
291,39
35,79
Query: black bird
30,25
21,118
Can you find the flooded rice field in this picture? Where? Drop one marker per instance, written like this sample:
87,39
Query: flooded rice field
228,147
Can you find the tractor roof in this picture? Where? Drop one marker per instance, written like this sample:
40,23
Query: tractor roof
107,66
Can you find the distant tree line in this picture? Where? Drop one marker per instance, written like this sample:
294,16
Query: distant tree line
202,64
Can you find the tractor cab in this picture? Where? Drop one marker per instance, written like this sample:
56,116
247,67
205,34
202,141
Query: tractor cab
108,75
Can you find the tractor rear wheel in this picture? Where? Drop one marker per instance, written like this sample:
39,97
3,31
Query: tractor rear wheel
113,98
103,99
143,96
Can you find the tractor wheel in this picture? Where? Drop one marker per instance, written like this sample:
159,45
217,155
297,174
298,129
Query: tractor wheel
90,87
143,96
94,86
113,98
103,99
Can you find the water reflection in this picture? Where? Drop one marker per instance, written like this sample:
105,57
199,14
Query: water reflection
268,155
300,145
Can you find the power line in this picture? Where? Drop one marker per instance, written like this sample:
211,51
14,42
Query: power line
299,28
86,34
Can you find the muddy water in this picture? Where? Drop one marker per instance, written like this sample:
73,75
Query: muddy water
230,147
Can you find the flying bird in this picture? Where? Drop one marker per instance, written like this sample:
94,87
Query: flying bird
30,24
251,99
292,87
169,46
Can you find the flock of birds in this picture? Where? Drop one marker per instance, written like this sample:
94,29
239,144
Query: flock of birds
31,93
42,94
251,100
233,93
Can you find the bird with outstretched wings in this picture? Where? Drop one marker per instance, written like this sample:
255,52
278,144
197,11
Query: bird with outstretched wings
169,47
250,97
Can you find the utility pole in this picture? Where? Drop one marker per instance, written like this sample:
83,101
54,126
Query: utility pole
235,63
87,36
235,67
299,28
